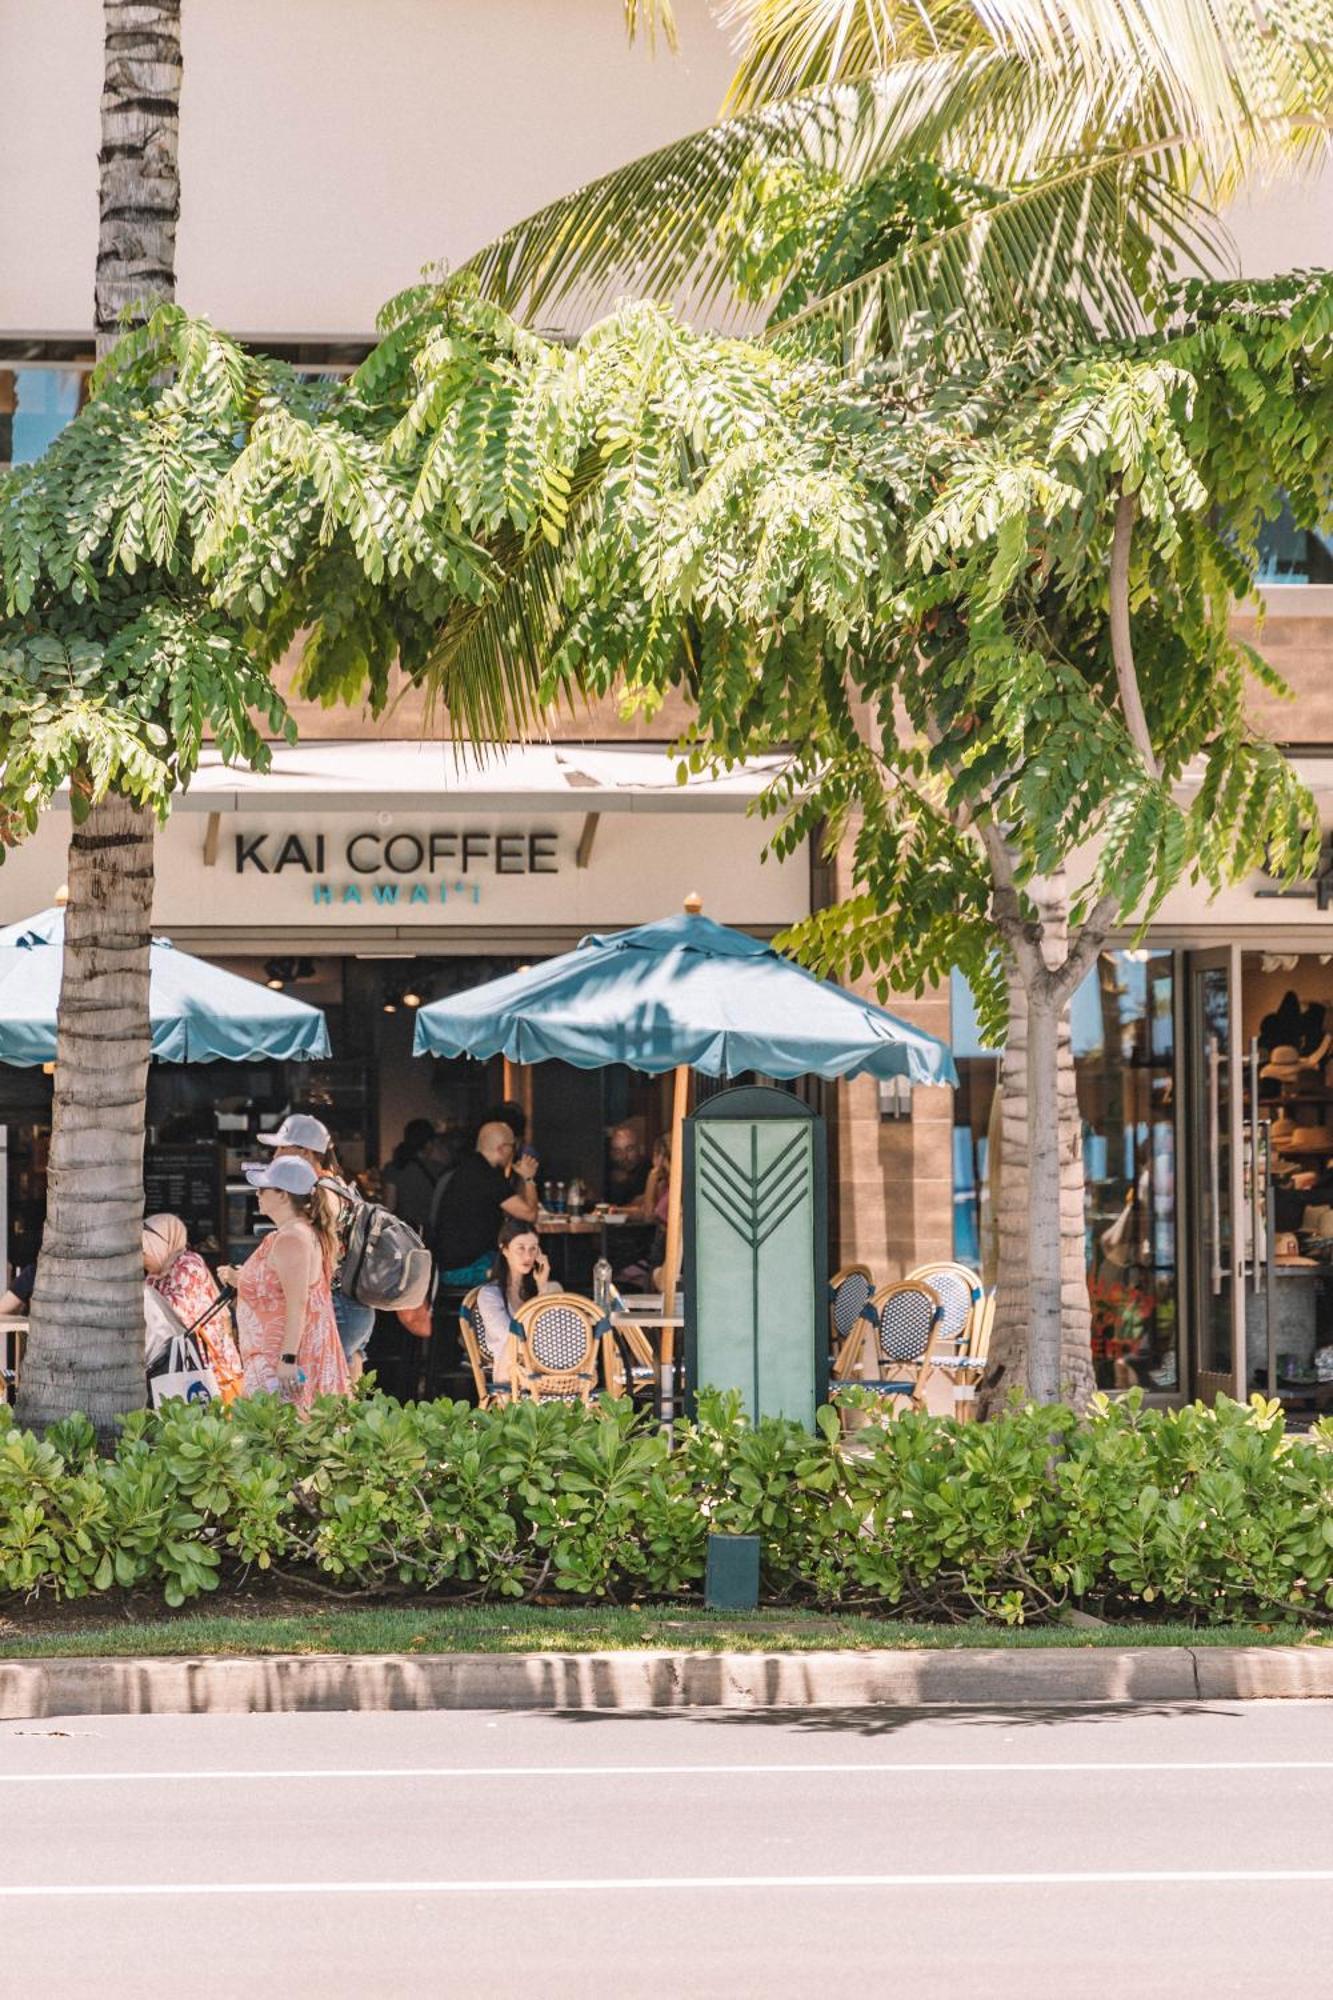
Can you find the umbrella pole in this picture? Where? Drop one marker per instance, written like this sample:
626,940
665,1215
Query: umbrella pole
675,1193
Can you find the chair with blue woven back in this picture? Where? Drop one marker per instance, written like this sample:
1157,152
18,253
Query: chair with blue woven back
897,1346
849,1294
480,1359
555,1359
964,1332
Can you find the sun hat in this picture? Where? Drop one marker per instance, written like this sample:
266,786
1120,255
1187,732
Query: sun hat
1285,1063
292,1176
300,1129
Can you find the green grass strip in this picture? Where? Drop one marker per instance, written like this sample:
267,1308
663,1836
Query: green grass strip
525,1629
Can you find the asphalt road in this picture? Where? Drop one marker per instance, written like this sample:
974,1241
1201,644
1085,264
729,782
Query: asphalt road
954,1853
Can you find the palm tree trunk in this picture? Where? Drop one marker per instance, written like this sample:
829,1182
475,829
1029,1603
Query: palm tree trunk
86,1341
139,174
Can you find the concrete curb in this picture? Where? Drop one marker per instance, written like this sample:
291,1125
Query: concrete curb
993,1678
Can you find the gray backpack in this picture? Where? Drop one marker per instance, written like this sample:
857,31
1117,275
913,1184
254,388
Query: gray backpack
385,1264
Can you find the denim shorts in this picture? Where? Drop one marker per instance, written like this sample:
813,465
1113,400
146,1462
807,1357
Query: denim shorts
356,1323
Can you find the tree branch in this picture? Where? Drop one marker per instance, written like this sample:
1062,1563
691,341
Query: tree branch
1092,935
1122,645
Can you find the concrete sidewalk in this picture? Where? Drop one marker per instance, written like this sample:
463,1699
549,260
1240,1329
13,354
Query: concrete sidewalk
994,1678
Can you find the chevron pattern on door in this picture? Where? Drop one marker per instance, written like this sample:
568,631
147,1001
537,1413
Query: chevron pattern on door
756,1204
753,1230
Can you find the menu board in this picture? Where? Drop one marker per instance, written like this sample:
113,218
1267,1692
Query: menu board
186,1181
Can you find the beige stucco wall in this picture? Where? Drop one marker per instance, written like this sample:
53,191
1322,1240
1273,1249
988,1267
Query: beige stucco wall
331,148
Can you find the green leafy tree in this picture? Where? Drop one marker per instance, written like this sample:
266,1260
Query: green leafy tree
987,618
925,192
89,1288
114,670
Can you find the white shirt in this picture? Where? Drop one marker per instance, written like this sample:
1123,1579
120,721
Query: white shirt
497,1341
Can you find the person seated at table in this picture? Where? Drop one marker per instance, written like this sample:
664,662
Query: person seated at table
639,1274
627,1166
16,1299
482,1192
509,1112
520,1271
180,1277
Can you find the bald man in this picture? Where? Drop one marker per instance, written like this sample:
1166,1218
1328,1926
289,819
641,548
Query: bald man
483,1189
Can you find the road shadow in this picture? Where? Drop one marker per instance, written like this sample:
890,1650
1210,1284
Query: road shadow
889,1721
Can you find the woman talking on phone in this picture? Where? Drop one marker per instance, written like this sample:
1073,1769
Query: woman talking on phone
284,1308
520,1272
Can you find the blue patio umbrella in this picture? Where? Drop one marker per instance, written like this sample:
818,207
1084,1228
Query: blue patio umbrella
685,992
199,1012
681,994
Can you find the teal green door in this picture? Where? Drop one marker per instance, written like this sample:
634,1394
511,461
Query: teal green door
756,1270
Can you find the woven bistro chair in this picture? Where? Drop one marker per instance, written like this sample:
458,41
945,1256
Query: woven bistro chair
849,1295
969,1368
480,1359
555,1349
895,1354
963,1300
629,1366
961,1295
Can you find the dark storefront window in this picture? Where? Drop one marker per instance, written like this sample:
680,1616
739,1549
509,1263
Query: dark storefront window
1288,554
1123,1021
204,1119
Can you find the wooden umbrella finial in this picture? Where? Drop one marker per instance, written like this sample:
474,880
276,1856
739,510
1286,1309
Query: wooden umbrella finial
694,904
62,895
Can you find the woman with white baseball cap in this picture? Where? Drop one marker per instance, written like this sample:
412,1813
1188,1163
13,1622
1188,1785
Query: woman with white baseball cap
284,1308
303,1137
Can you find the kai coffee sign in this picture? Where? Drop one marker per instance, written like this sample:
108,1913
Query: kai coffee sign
440,865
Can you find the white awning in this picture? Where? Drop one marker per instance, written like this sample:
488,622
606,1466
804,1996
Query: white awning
429,777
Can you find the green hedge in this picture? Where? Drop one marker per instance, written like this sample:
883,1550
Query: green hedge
1216,1514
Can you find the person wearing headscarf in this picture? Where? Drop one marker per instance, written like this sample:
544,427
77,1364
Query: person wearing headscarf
182,1279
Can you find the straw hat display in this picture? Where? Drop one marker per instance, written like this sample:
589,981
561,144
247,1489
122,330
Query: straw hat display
1288,1065
1306,1139
1287,1250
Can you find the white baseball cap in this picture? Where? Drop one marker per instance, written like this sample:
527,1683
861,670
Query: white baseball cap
292,1176
300,1129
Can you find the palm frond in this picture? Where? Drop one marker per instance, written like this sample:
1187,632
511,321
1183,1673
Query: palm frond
1079,250
648,16
1240,70
659,226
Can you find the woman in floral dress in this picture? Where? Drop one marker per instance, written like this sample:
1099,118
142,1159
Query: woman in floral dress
180,1276
284,1308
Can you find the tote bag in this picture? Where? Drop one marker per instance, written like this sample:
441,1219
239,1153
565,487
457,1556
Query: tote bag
187,1378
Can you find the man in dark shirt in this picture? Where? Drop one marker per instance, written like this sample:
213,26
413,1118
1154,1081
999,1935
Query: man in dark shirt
627,1166
481,1192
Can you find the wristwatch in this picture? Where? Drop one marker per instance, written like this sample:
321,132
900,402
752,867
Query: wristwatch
290,1358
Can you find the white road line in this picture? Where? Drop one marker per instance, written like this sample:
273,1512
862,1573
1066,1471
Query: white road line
849,1769
571,1885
